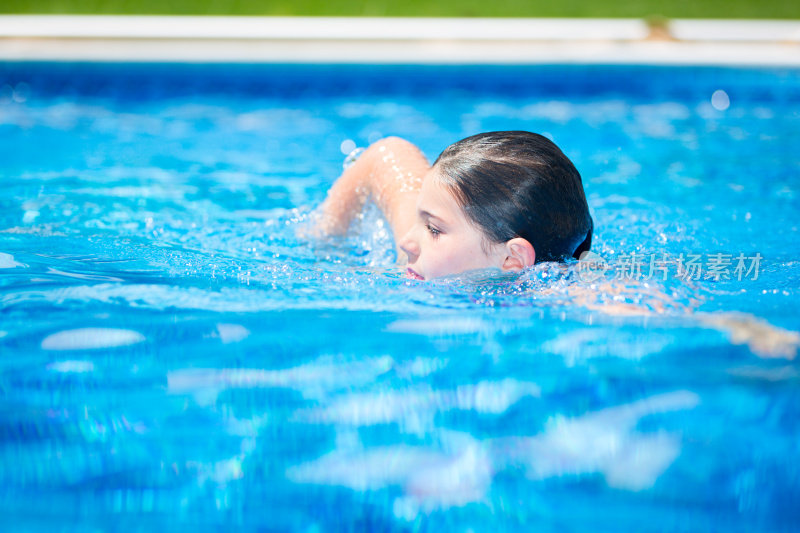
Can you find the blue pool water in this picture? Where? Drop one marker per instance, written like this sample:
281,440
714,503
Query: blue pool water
173,354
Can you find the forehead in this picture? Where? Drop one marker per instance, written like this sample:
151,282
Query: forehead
436,198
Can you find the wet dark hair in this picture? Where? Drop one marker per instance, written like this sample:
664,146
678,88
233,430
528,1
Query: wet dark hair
519,184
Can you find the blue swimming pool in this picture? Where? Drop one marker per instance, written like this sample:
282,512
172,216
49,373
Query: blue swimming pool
173,354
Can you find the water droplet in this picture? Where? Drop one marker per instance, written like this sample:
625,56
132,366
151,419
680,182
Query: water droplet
720,100
347,146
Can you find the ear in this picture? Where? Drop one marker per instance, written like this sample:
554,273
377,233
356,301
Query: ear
519,254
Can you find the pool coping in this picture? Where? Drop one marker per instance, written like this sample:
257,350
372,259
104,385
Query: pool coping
398,40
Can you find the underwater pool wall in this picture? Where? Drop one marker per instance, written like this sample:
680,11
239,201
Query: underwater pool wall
399,40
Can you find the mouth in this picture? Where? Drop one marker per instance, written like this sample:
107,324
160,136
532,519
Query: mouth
413,275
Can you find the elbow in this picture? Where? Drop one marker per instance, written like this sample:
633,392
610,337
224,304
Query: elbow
393,143
399,148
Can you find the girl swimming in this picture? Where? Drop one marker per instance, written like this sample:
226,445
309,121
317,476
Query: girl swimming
504,200
498,200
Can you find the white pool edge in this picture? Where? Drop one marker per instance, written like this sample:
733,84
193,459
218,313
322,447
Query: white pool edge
397,40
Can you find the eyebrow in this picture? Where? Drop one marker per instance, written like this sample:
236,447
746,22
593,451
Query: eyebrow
428,214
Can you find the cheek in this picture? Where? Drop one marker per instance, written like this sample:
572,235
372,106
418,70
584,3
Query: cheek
448,257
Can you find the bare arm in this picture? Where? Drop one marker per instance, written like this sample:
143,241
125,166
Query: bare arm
390,174
764,339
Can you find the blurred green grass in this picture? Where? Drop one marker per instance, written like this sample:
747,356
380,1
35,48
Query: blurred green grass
769,9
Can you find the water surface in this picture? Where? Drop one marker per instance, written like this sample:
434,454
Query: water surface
174,354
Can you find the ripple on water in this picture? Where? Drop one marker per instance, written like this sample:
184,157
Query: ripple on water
91,338
229,333
7,261
414,406
459,469
71,366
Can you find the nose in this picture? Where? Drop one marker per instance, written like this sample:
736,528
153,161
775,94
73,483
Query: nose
410,246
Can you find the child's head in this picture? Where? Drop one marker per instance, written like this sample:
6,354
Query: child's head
505,199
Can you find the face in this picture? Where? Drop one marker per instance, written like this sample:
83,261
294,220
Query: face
443,241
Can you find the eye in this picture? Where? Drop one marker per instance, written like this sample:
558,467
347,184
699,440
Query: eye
435,232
